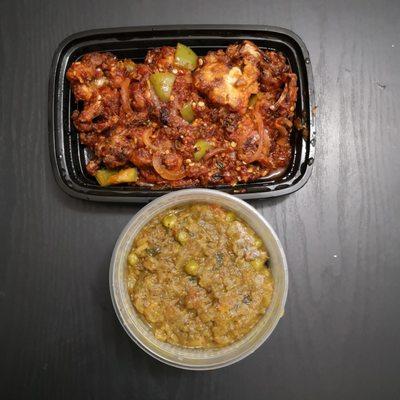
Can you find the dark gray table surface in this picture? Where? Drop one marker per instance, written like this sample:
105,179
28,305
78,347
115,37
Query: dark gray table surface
339,339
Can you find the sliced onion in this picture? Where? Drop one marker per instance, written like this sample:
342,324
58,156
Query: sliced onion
125,95
282,97
280,124
165,172
249,158
146,139
214,152
165,144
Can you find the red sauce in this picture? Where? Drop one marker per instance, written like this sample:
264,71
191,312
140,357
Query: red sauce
125,124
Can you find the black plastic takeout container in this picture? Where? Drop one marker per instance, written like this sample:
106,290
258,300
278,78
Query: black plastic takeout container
69,157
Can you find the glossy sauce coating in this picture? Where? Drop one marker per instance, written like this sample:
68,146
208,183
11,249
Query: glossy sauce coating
236,107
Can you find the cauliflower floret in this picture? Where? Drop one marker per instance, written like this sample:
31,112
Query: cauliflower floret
230,78
161,58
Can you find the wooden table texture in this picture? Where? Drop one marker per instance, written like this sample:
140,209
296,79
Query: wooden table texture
339,338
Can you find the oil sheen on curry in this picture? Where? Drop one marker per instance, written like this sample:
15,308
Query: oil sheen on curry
181,120
198,275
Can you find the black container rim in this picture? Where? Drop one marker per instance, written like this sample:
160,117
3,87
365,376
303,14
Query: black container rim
72,189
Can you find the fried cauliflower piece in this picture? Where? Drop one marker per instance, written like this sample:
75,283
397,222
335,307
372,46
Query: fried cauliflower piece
87,75
161,59
230,77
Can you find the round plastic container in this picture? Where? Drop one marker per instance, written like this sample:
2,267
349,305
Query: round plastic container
139,330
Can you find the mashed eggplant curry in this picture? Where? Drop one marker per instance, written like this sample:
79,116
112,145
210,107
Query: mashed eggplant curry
198,275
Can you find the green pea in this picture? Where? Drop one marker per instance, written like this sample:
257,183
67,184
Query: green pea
258,242
133,259
258,264
266,300
182,237
230,216
266,272
192,267
169,220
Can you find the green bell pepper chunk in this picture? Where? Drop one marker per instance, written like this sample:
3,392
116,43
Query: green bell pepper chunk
162,83
253,99
103,175
107,177
187,112
185,57
202,146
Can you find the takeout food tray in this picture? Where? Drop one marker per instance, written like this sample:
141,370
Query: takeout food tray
69,157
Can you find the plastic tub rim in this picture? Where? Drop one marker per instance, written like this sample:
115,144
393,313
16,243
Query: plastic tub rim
180,196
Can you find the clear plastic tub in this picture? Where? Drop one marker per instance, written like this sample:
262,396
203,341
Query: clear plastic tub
181,357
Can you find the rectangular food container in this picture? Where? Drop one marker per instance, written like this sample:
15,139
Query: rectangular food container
69,157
